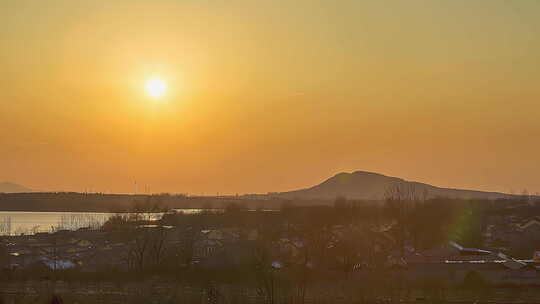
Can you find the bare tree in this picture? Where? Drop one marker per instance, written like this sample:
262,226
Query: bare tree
5,229
265,271
5,225
310,241
76,221
4,256
139,247
158,245
266,266
400,200
351,249
186,249
147,247
148,209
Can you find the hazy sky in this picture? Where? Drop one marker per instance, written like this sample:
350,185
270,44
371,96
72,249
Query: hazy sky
268,95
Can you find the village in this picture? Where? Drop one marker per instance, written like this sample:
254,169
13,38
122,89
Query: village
256,241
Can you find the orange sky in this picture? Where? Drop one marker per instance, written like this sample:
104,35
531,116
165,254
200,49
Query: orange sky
268,95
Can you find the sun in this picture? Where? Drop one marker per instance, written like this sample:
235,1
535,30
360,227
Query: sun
155,87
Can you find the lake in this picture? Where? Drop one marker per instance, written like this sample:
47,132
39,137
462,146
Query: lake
27,222
16,222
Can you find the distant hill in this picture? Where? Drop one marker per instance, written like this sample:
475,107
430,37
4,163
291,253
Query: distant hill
373,186
7,187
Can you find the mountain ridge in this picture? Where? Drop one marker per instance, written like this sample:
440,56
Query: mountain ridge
368,185
9,187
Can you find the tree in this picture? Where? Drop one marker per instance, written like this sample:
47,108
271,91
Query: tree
266,266
5,225
189,234
310,237
4,256
400,200
265,271
158,245
429,221
351,249
5,229
469,225
147,248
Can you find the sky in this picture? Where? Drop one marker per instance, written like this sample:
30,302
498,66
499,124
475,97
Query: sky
268,96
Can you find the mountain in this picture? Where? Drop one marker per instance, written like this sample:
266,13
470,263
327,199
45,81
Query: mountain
7,187
373,186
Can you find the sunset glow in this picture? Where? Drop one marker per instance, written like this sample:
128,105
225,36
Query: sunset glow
256,96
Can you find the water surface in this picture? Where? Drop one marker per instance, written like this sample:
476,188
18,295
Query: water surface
17,222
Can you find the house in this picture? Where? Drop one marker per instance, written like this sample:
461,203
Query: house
531,226
224,234
206,247
446,253
212,234
58,264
